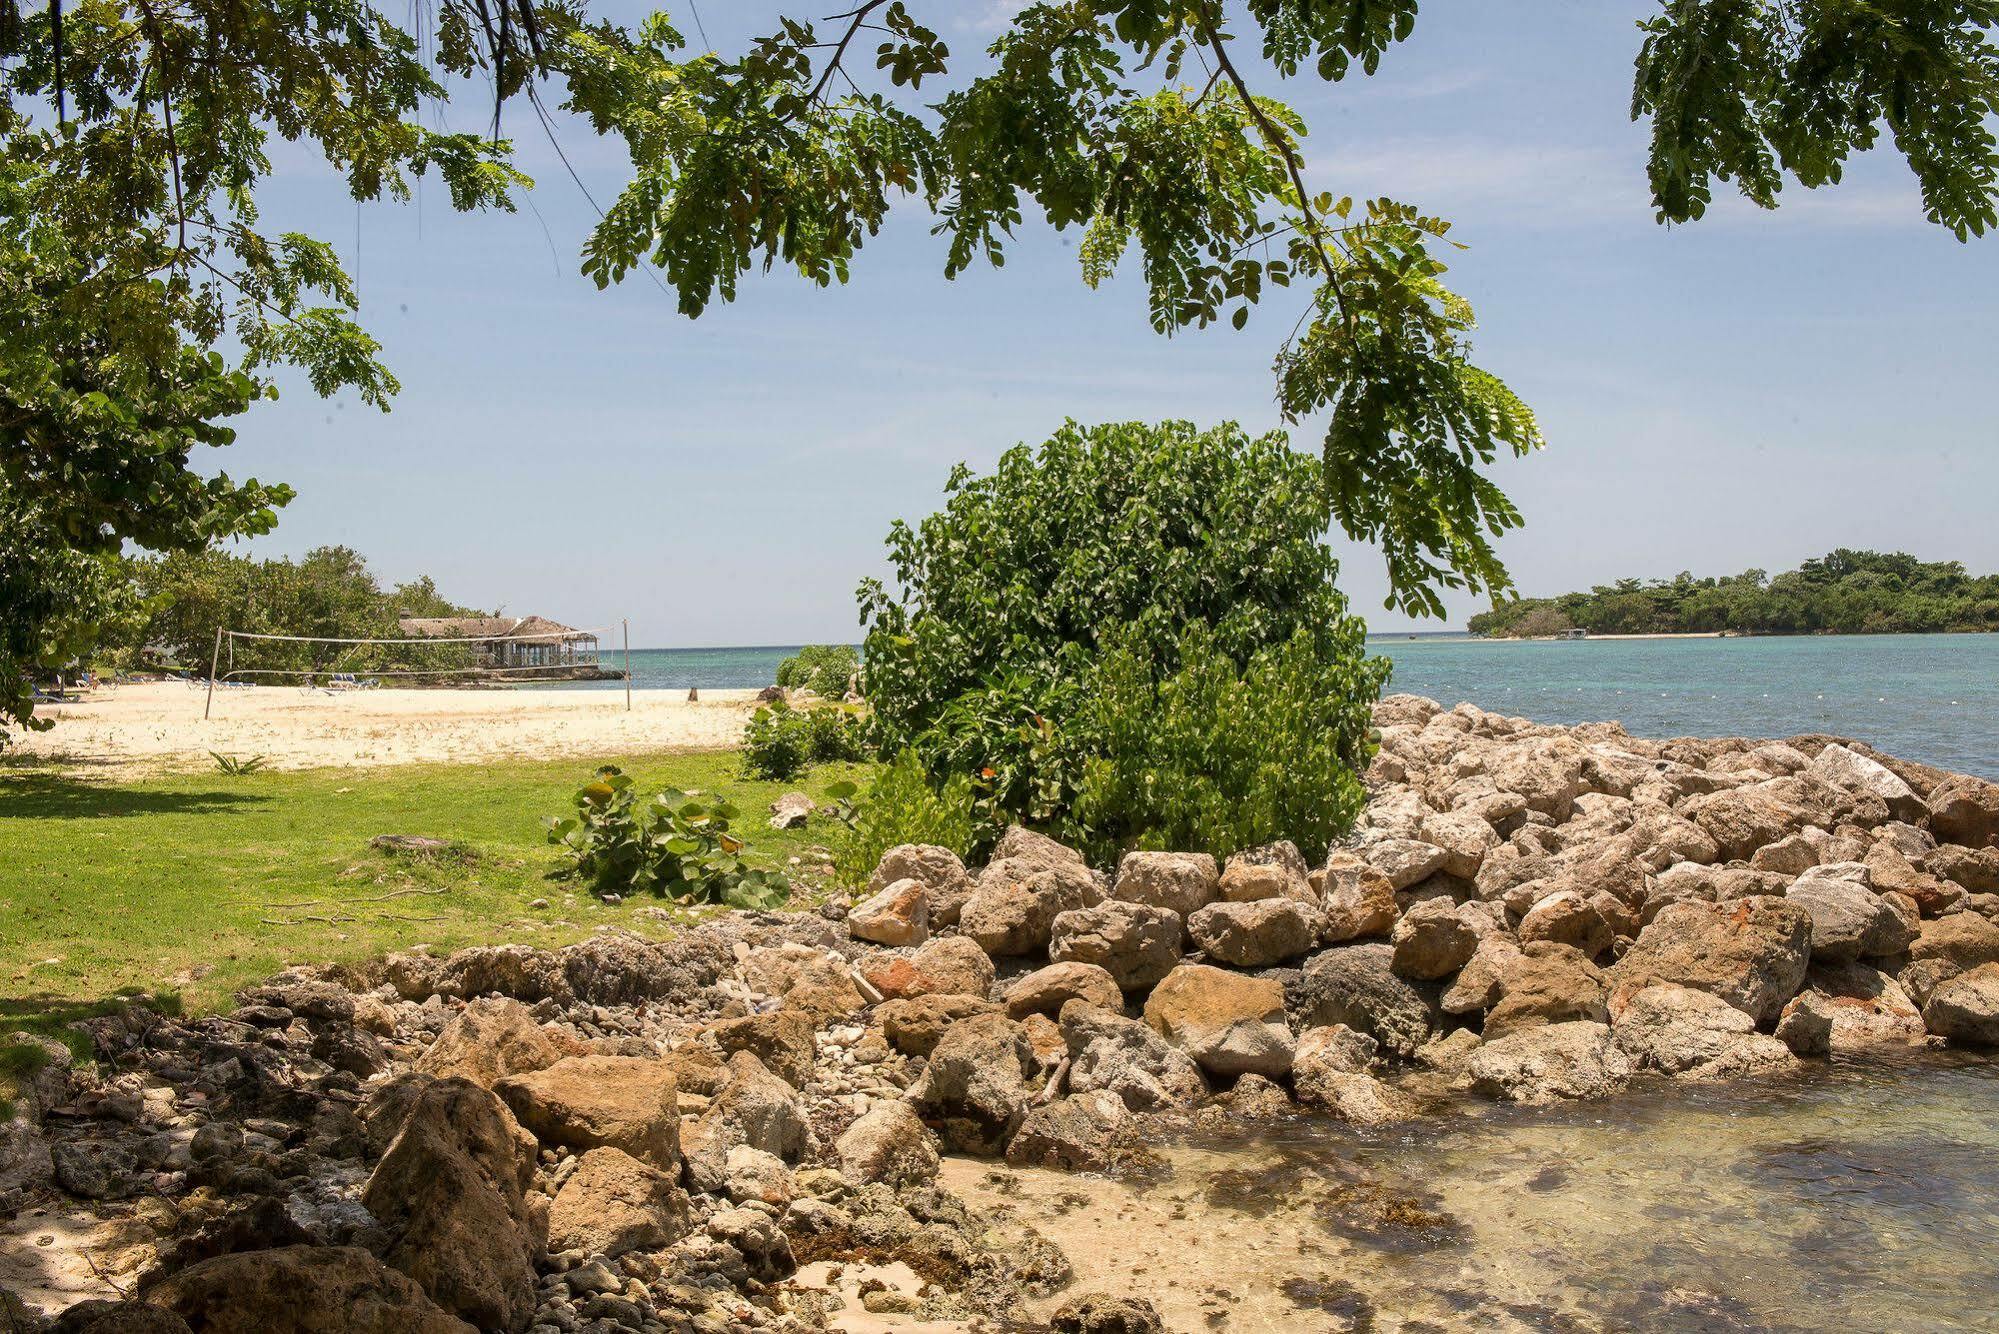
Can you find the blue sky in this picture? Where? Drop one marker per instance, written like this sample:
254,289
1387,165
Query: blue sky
1745,391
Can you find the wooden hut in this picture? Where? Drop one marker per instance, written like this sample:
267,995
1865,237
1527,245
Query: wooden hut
504,642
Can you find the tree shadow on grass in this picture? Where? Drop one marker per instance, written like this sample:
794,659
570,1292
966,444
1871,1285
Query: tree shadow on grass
50,797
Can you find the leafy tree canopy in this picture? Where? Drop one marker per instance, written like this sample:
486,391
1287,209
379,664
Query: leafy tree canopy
143,307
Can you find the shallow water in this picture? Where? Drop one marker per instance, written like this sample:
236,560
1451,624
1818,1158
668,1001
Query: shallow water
1861,1197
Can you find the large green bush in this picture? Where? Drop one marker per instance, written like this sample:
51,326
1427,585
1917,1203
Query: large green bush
824,669
992,658
780,741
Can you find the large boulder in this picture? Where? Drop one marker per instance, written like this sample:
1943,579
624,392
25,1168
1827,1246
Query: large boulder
1678,1031
612,1203
450,1197
1549,1062
1741,820
1961,941
589,1102
784,1040
889,1144
520,972
1228,1023
938,870
1750,952
1047,990
1849,920
1022,844
1123,1056
896,914
977,1084
488,1040
915,1025
1013,911
1405,861
1136,943
942,966
1331,1072
1850,771
1965,1010
755,1110
1082,1133
1847,1008
1357,985
1546,771
1273,871
1180,882
1358,901
1546,983
297,1290
1256,933
1566,917
1434,939
1465,839
1965,810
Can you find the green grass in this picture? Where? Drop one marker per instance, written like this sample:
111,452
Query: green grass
191,886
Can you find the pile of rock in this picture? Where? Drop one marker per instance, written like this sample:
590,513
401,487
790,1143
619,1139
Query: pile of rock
741,1128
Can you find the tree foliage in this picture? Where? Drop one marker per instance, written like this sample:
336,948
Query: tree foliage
1846,592
144,308
1115,592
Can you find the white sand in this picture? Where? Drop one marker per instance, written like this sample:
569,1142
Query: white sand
139,729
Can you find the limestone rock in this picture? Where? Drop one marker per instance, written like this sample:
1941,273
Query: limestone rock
1123,1056
1136,943
1464,838
1355,1097
1358,902
1433,939
1274,871
1965,1010
1228,1023
1096,1313
1962,941
938,870
1256,933
977,1083
1046,990
1022,844
915,1025
1750,952
898,914
1013,910
299,1290
888,1143
754,1109
450,1194
1542,1064
1405,861
1356,985
1678,1031
1847,1008
1180,882
1082,1133
782,1039
612,1203
1849,920
1853,772
588,1102
944,965
1476,987
488,1040
791,811
1965,810
1567,918
1546,983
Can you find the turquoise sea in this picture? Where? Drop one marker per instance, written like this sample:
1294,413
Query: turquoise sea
1927,697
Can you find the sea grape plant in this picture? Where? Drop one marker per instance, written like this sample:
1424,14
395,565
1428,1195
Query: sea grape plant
678,845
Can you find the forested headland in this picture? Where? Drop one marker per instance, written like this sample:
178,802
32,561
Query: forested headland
1846,592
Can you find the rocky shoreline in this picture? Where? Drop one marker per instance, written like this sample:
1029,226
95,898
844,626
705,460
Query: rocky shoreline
742,1127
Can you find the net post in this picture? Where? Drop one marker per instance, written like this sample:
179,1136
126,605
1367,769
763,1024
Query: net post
214,664
626,626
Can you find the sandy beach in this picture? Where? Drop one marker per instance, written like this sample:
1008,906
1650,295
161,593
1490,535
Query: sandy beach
154,728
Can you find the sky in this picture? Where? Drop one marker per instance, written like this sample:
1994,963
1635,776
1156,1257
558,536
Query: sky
1748,390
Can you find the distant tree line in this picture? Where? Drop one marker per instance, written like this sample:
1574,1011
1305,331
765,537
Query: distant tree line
1847,592
175,603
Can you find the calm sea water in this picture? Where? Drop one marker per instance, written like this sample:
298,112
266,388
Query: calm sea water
1933,698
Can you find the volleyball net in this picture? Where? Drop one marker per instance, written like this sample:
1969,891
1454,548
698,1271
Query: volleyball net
330,665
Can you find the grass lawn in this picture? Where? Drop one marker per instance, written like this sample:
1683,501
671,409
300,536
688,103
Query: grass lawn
195,885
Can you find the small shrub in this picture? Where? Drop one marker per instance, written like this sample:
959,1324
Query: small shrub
903,806
826,670
780,741
679,845
238,766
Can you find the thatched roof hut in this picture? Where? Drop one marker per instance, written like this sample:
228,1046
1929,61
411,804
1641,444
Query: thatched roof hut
510,641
